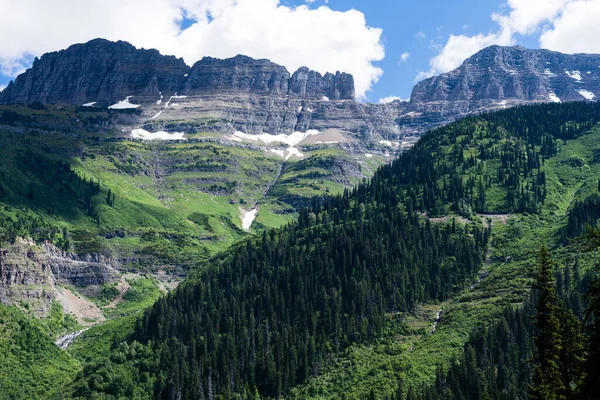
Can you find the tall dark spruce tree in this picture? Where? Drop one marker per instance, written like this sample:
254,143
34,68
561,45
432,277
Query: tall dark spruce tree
591,384
547,383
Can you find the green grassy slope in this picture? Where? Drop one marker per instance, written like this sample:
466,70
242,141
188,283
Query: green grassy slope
32,366
156,203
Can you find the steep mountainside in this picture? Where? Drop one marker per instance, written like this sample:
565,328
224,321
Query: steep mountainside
106,72
97,71
500,77
357,268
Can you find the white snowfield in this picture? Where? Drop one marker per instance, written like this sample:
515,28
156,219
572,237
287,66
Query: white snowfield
368,155
89,104
576,75
248,218
160,135
124,104
291,140
553,97
587,94
279,152
389,143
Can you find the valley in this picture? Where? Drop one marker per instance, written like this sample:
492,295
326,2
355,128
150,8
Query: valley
231,230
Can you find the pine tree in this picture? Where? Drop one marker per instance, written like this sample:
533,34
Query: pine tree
591,387
571,354
547,383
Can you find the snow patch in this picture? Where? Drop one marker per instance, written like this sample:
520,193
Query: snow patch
248,218
325,98
291,140
587,94
328,142
553,97
160,135
369,155
293,151
124,104
576,75
549,73
389,143
159,100
175,96
157,114
89,104
279,152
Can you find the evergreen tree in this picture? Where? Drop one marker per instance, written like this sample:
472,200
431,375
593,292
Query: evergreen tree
547,383
571,354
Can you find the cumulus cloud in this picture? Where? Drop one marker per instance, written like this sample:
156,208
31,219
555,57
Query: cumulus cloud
404,57
563,25
319,38
575,30
389,99
2,87
457,48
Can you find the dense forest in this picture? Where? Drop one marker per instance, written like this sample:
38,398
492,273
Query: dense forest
534,351
267,314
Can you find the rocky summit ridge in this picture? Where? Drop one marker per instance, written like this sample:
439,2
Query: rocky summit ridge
259,96
102,71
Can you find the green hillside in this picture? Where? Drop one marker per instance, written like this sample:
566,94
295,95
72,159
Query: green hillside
518,171
340,303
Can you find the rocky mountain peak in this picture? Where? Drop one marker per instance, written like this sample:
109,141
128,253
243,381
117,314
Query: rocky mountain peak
96,71
107,72
499,73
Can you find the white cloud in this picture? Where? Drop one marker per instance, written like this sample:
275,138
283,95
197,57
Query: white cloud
457,48
404,57
564,25
2,87
420,36
576,30
389,99
291,36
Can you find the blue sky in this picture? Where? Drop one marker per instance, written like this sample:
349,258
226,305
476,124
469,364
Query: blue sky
433,35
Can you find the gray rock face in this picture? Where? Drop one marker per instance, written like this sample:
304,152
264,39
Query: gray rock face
305,83
237,75
30,273
256,96
97,71
514,74
107,72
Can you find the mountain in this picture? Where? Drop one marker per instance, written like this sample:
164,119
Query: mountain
507,76
97,71
257,96
105,72
105,206
329,305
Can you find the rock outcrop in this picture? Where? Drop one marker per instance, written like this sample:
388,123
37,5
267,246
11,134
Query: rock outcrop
501,76
105,72
259,96
29,273
237,75
97,71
